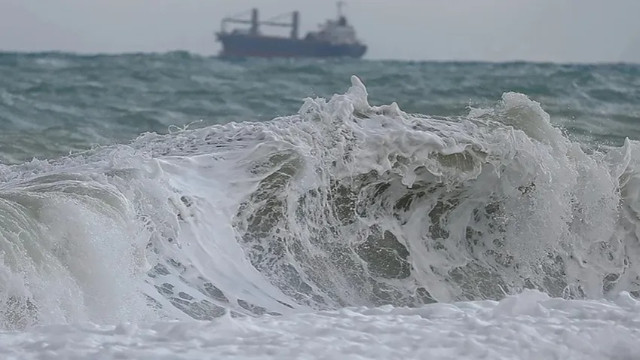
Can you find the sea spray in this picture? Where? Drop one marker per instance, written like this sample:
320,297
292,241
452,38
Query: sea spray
343,204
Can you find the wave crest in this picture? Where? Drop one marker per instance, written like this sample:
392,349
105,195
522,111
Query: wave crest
342,204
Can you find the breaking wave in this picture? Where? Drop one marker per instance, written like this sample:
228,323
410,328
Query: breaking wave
342,204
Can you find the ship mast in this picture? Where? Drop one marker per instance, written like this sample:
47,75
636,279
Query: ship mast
256,23
340,5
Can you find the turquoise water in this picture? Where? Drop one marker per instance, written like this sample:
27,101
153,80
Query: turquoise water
55,103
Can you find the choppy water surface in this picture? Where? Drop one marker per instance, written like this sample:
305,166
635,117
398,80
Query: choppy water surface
177,187
53,103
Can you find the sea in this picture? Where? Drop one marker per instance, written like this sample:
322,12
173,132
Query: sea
179,206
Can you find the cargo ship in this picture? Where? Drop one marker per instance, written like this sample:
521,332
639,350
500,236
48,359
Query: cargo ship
335,38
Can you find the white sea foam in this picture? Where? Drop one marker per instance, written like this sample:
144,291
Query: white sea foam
527,326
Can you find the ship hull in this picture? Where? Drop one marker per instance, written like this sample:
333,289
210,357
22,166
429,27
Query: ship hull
246,45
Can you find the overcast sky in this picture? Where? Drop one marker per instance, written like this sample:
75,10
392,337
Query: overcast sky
493,30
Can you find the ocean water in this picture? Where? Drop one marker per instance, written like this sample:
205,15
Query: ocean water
180,206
